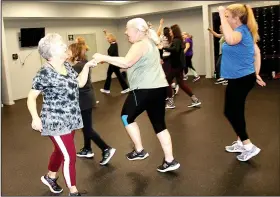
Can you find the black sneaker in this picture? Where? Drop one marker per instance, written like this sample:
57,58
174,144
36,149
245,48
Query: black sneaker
75,194
134,155
85,153
51,183
165,166
107,155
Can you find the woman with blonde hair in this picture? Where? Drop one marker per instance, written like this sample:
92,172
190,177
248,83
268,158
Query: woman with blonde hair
78,61
241,62
114,52
148,90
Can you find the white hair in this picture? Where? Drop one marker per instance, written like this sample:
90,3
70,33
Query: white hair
46,45
142,25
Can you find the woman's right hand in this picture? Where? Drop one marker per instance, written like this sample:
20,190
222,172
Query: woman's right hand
37,124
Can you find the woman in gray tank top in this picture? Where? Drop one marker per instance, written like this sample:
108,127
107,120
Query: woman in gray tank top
148,90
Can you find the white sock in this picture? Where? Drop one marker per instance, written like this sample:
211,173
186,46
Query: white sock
248,146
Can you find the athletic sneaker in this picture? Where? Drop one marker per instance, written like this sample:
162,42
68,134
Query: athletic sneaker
125,91
107,155
219,81
248,154
170,103
225,83
195,103
75,194
105,91
52,184
236,147
176,89
173,85
85,153
165,166
196,78
185,77
134,155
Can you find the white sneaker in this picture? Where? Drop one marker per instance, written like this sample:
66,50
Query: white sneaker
173,85
125,91
185,78
176,89
248,154
236,147
105,91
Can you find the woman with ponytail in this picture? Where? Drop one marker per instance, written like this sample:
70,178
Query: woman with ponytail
240,65
148,90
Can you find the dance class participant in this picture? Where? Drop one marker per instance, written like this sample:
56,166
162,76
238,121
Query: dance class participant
241,66
78,61
60,115
188,51
113,51
177,65
165,40
148,90
218,64
82,41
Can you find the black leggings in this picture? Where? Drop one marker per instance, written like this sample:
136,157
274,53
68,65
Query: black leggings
236,93
188,64
218,67
113,69
90,133
150,100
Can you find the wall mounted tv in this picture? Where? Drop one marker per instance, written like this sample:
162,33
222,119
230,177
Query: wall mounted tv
30,37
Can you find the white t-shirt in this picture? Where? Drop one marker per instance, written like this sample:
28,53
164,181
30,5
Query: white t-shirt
165,43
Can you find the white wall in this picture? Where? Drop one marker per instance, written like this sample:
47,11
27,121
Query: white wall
188,20
21,75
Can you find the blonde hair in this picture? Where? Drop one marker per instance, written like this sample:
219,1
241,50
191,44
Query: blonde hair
110,35
81,40
143,26
246,16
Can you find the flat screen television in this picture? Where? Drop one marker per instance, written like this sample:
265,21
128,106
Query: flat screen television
30,37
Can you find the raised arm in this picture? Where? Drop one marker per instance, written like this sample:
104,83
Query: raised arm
214,33
159,31
231,37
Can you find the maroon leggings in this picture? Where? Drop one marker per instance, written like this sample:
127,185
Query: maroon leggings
178,74
64,153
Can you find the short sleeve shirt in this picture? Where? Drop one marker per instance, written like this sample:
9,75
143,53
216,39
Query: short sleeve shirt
61,112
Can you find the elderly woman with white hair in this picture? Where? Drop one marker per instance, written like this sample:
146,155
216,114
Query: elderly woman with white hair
148,90
61,114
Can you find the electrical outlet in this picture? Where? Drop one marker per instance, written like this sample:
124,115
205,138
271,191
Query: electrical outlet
15,56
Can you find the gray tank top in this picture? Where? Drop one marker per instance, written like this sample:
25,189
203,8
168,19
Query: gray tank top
147,72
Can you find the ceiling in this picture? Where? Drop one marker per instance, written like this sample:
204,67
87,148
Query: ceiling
116,3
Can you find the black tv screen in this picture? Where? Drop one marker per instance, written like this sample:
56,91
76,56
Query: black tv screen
30,37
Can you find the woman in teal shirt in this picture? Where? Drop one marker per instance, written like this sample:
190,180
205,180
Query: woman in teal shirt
240,65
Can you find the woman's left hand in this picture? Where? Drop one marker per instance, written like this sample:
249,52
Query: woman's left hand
260,81
98,57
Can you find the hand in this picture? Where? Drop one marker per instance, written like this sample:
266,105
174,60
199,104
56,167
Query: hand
149,24
105,31
221,10
98,58
161,62
209,29
260,81
92,63
161,21
37,124
160,46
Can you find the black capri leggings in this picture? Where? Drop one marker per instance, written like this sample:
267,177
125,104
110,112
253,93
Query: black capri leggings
150,100
236,94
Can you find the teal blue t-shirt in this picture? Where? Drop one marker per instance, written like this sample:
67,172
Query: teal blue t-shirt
238,60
